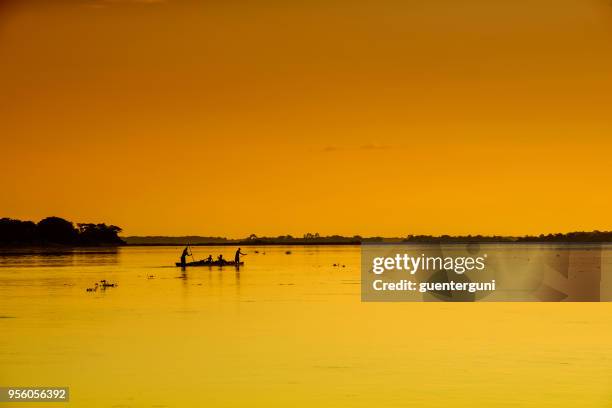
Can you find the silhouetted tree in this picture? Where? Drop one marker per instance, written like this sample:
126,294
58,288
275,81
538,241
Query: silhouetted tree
17,232
56,230
95,234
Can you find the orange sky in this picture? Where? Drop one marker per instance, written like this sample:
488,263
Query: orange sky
269,117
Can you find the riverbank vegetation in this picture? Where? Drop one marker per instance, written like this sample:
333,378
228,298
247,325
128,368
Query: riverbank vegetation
57,231
317,239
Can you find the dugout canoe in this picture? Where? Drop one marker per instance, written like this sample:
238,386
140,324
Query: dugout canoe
213,263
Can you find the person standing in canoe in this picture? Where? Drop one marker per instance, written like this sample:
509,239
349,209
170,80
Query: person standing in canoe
237,256
184,255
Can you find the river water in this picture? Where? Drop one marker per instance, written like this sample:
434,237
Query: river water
284,330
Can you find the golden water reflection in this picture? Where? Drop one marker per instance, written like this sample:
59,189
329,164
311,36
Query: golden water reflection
282,330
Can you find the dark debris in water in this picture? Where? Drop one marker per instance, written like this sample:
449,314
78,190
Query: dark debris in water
103,285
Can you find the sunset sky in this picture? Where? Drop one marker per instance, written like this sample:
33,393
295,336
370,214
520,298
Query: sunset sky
279,117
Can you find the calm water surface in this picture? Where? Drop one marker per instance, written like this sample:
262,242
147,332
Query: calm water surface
285,330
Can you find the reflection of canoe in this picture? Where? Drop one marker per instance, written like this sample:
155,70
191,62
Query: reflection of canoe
213,263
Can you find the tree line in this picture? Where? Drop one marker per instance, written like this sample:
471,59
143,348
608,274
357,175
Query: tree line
57,231
317,239
578,236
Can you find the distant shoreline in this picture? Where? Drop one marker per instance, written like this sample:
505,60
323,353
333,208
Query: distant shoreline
315,239
247,244
6,249
54,232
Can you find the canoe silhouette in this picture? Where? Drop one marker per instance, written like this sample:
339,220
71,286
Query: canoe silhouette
207,263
